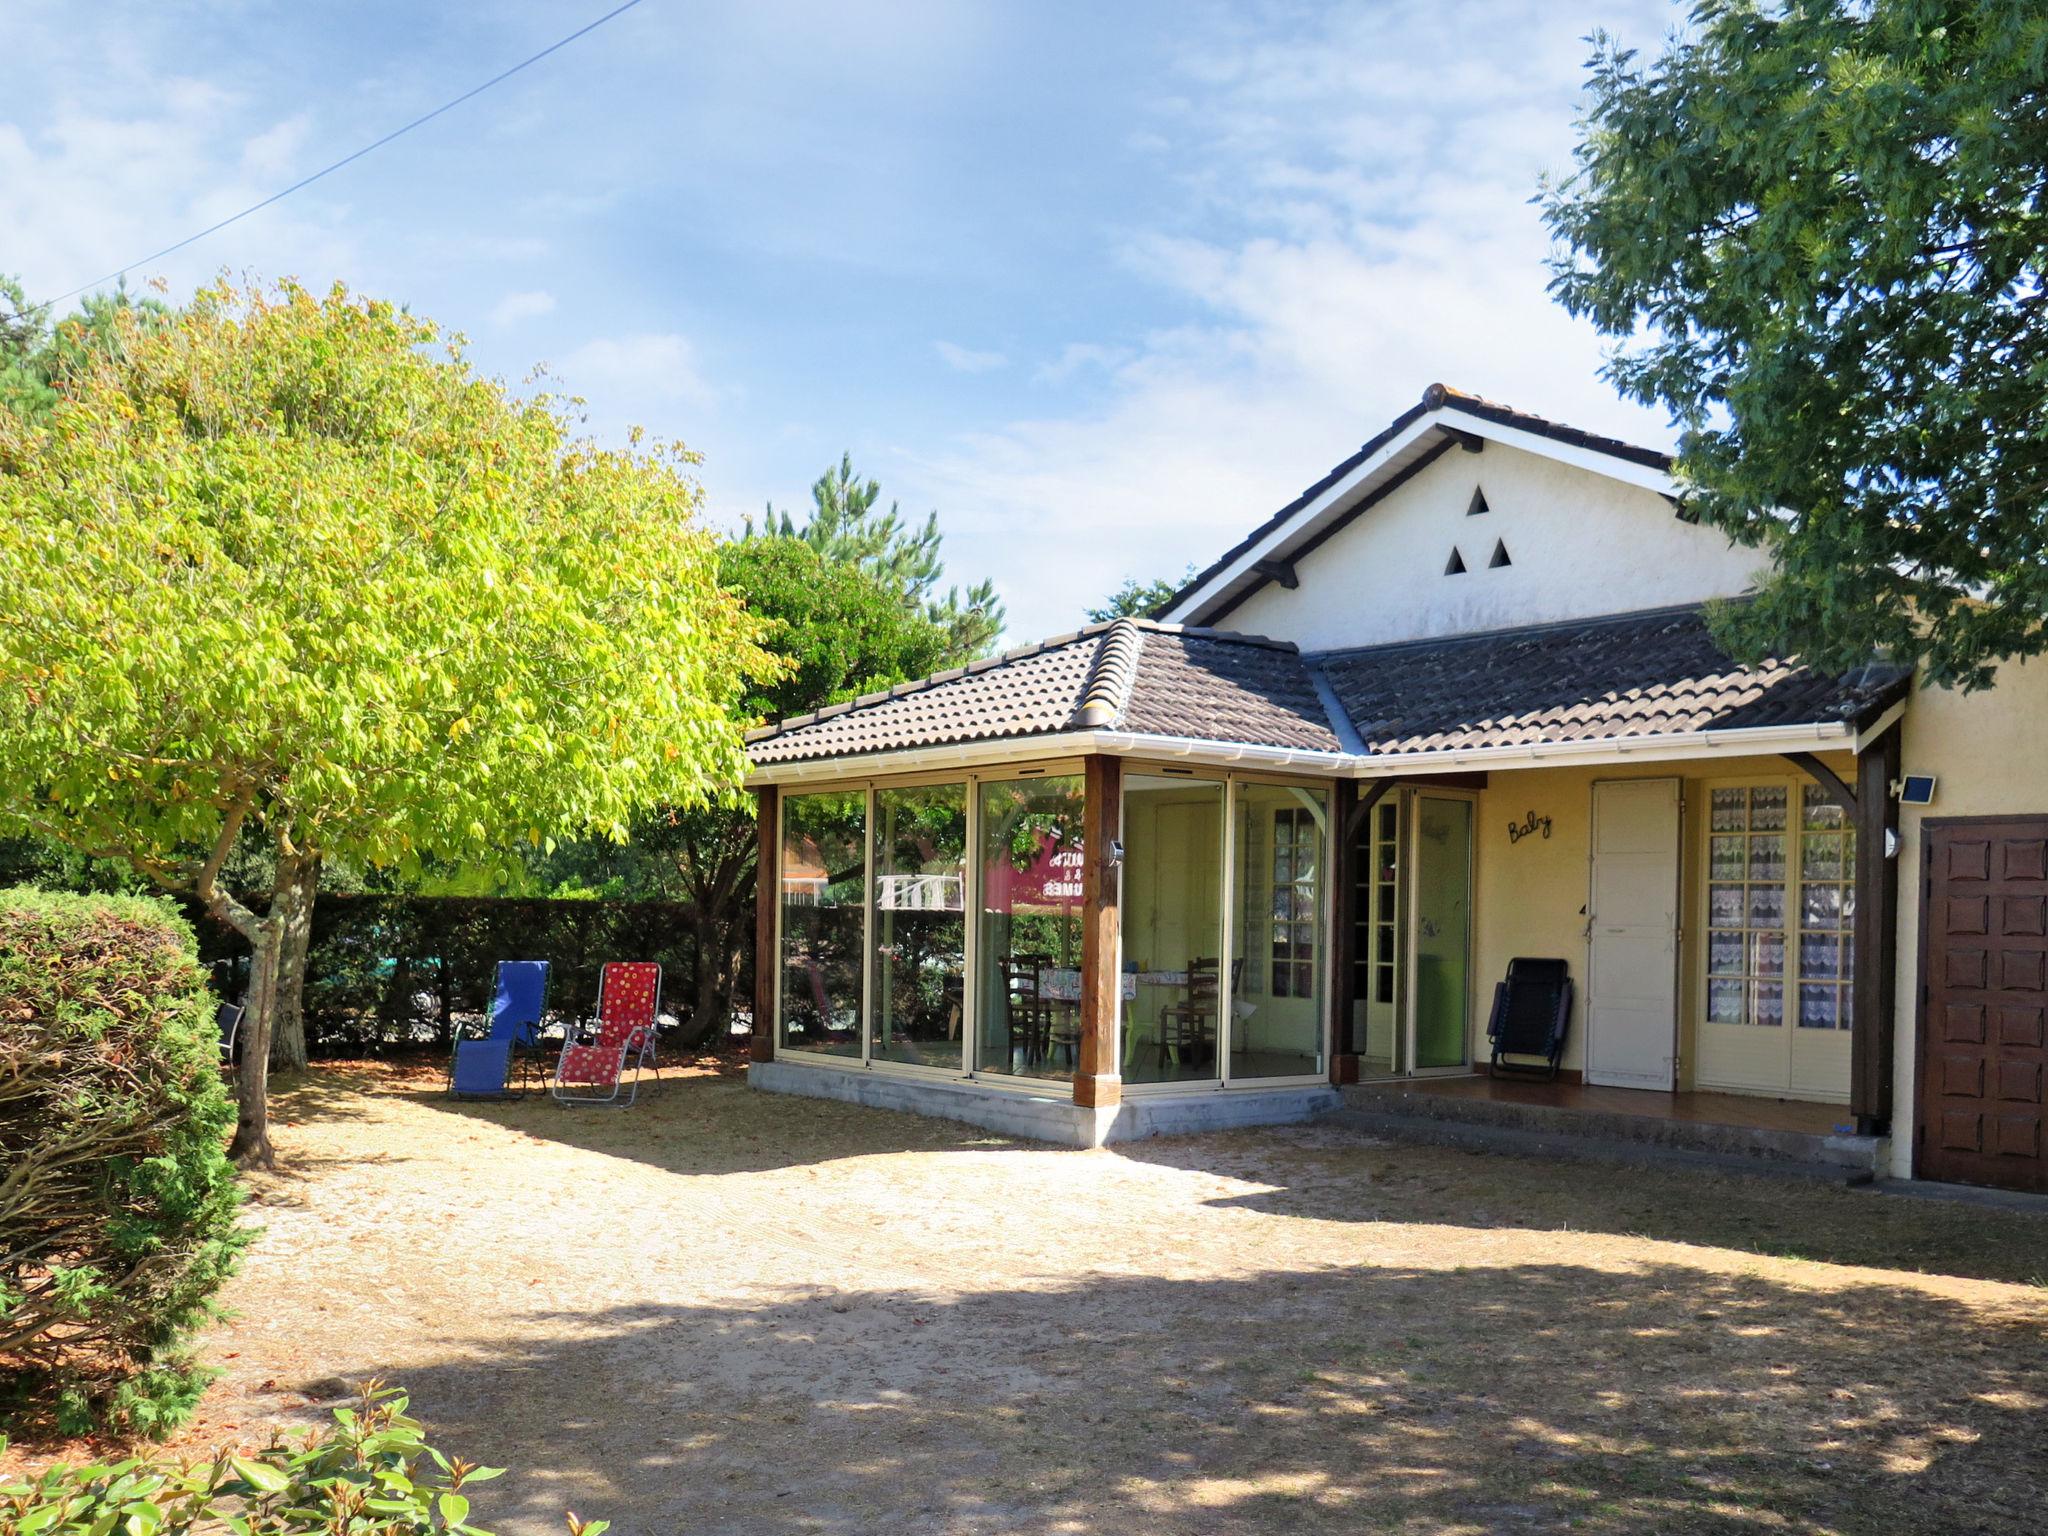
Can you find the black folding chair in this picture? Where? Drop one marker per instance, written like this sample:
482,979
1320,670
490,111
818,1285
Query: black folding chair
1532,1009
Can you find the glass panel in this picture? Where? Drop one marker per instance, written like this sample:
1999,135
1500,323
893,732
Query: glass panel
1821,856
1767,906
824,883
1443,913
1276,1013
1770,1004
1767,809
1725,905
1724,1002
1767,953
1817,1007
1820,957
1726,860
1724,954
1173,926
920,925
1767,858
1029,934
1730,810
1820,906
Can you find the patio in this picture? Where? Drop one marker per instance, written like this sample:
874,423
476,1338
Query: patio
726,1311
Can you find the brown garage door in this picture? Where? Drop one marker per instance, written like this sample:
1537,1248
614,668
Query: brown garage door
1984,1023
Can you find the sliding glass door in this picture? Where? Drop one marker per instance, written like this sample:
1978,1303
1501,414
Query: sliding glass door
1440,1012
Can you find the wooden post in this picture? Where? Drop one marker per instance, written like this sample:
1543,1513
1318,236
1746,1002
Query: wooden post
1344,935
767,895
1873,1021
1098,1078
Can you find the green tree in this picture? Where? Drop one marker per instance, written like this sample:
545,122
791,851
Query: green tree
839,631
289,564
1818,229
1137,599
844,526
38,359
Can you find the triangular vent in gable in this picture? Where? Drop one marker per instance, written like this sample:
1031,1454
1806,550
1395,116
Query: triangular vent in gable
1456,565
1477,505
1500,555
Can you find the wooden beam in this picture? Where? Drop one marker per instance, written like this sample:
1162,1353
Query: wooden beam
1374,792
1343,1054
1826,777
1281,571
767,892
1874,993
1098,1080
1471,442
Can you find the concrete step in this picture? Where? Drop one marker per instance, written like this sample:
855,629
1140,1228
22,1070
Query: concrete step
1588,1135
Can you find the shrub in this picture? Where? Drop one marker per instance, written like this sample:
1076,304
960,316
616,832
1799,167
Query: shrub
387,971
373,1474
117,1201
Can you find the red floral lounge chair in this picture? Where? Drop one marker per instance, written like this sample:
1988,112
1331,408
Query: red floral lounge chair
628,994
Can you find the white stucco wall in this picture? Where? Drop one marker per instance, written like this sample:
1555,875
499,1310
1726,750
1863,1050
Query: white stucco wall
1582,544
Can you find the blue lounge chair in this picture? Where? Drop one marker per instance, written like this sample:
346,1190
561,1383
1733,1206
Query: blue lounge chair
482,1068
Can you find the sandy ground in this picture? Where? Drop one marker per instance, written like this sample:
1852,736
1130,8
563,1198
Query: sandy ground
724,1311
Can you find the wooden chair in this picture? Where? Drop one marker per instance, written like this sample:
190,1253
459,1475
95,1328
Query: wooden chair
1189,1026
1029,1014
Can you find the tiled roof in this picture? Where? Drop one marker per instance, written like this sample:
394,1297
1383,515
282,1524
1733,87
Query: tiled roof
1028,692
1130,675
1631,676
1636,675
1193,683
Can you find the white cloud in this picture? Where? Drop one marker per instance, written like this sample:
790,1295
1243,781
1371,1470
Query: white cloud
967,360
636,378
528,304
1357,226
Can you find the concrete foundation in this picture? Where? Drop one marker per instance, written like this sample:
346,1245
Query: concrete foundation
1053,1116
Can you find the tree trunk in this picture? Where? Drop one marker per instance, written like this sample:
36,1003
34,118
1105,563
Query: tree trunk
288,1038
707,1006
251,1145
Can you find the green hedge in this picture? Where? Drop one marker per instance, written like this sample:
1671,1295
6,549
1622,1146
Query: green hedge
372,1474
117,1205
386,972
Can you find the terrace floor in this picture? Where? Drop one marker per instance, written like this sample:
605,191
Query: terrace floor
725,1311
1747,1111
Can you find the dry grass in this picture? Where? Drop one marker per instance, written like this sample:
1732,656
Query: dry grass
729,1312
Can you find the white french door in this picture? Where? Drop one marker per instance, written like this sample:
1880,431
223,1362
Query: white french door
1632,935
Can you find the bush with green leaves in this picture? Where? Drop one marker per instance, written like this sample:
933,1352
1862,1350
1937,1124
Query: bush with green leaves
372,1474
117,1201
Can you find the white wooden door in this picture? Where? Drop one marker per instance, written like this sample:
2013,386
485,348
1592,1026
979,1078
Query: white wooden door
1632,935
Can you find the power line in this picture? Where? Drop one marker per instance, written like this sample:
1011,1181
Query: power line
307,181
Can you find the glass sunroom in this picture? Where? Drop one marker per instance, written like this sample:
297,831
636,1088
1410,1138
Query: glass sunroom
938,926
1058,936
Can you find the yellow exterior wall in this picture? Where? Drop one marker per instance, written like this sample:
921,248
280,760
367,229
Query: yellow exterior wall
1531,892
1990,753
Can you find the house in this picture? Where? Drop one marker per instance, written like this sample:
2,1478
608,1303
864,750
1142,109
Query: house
1455,704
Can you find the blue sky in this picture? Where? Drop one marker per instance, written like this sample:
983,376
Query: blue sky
1102,284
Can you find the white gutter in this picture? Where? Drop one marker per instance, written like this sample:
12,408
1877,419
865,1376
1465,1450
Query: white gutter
1677,746
1672,747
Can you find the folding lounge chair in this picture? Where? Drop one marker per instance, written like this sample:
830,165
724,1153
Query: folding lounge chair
628,993
1531,1011
227,1018
482,1068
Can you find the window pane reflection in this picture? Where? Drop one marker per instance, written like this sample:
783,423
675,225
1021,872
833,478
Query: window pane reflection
824,878
920,924
1029,939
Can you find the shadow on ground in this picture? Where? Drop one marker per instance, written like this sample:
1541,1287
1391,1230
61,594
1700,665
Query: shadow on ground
1332,1175
1522,1397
